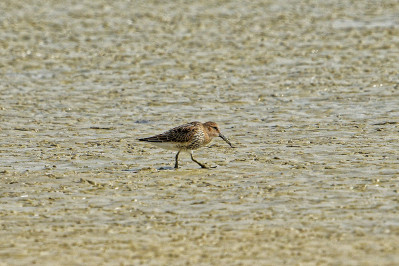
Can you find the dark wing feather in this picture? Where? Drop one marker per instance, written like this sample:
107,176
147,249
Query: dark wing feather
183,133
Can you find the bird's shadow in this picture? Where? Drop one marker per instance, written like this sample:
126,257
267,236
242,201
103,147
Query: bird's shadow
162,168
136,170
166,168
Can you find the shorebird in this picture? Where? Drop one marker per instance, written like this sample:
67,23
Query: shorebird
187,137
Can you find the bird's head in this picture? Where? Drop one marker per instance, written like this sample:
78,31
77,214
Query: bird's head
214,131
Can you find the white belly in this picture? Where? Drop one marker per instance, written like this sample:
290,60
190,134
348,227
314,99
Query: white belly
169,145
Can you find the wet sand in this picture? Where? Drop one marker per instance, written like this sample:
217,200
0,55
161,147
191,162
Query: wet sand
306,90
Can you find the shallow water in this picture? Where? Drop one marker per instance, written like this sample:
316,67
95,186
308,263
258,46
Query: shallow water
306,91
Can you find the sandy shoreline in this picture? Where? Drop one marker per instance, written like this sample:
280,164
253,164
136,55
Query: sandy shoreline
307,92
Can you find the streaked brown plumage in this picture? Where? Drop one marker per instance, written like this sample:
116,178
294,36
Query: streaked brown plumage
187,137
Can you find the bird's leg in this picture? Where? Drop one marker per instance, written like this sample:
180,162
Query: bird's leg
200,164
176,162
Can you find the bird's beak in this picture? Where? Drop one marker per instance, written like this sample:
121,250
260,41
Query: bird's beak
225,139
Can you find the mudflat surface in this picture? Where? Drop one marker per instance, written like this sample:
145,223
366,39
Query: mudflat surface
307,91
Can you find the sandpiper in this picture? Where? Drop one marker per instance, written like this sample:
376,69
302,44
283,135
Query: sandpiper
187,137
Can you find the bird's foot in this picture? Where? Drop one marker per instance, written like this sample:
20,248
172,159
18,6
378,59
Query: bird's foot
208,167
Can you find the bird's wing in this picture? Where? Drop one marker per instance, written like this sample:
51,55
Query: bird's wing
183,133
